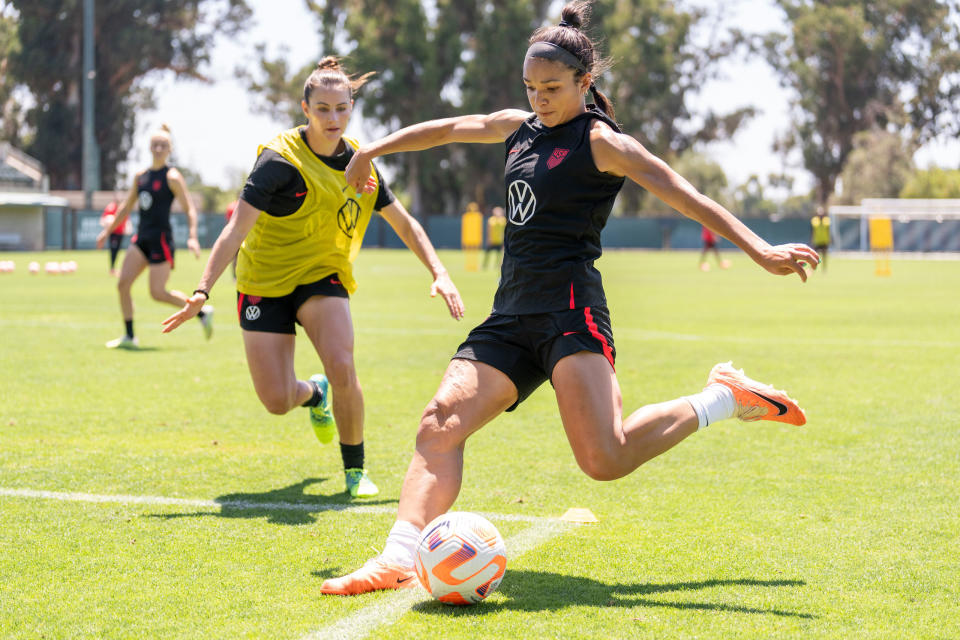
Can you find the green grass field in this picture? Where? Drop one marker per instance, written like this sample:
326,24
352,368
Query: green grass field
846,528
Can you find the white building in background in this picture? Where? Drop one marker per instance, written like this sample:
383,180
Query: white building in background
24,199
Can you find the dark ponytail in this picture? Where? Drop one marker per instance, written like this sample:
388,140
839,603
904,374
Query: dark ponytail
569,35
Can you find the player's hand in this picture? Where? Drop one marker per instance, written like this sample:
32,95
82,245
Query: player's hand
190,309
194,247
358,172
784,259
445,287
101,238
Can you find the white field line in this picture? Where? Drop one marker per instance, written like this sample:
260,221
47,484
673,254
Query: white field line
365,621
231,504
628,332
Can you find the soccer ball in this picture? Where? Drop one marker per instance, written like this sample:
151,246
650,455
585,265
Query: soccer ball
460,558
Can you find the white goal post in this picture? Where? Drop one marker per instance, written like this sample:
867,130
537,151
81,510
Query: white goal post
921,224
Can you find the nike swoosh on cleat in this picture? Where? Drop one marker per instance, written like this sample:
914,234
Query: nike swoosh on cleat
399,581
300,195
782,408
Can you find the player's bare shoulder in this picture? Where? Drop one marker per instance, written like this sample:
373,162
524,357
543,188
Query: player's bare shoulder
507,121
608,147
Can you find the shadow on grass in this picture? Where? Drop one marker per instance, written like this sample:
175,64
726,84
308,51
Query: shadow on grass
543,591
286,505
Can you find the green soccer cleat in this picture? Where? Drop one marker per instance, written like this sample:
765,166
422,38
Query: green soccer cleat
359,484
321,416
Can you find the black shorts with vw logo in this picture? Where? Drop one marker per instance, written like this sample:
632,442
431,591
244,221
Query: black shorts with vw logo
527,347
279,315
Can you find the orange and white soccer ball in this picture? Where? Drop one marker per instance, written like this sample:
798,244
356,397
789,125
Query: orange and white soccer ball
460,558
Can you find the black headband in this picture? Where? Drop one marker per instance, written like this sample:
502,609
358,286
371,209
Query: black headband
552,51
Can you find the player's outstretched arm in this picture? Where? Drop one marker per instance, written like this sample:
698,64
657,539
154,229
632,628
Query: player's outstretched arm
416,239
622,155
226,246
180,191
483,128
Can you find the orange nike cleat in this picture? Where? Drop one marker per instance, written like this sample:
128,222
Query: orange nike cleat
372,576
755,400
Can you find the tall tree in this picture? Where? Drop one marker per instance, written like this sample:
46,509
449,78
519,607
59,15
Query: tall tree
879,166
133,38
658,66
11,110
856,65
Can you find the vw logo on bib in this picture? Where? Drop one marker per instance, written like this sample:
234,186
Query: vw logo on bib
520,202
146,200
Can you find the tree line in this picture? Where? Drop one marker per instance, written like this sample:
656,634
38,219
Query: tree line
870,80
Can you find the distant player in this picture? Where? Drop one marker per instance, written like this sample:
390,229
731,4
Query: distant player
820,235
496,223
298,227
154,190
565,164
709,239
116,238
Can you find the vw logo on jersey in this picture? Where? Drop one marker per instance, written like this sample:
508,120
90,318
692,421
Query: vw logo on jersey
146,200
252,312
521,202
348,216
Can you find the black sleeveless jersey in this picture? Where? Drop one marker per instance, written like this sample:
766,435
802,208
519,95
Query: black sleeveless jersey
557,204
155,197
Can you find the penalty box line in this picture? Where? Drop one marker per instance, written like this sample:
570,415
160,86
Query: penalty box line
235,504
365,621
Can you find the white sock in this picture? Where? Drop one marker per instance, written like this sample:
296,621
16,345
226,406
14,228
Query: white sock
401,544
713,404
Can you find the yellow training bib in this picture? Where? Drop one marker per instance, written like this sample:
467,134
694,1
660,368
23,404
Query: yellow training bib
321,238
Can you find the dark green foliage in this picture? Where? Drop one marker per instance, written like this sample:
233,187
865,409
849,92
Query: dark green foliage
856,65
133,38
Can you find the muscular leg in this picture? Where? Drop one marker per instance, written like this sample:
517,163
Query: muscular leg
270,360
134,262
470,395
605,446
159,275
328,323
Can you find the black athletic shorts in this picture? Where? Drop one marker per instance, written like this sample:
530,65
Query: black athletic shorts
156,247
279,315
527,347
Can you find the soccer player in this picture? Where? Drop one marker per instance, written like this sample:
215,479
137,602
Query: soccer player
565,164
154,190
116,238
709,239
496,223
298,227
820,234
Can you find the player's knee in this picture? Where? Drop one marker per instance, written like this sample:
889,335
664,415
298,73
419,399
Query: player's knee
276,402
341,371
437,426
158,293
599,464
